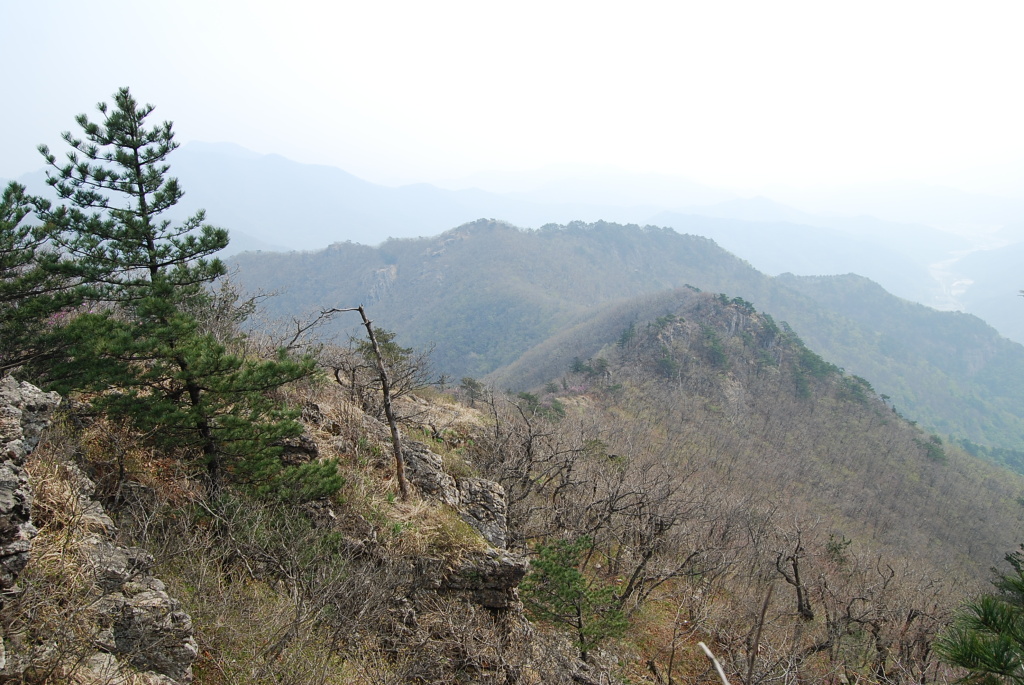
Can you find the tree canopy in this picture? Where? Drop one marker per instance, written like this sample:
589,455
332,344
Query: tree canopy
33,285
138,345
987,634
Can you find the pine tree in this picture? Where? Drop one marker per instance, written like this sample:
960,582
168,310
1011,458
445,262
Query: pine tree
140,348
33,289
987,634
557,591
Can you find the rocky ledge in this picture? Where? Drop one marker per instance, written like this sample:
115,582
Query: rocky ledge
24,413
141,635
489,578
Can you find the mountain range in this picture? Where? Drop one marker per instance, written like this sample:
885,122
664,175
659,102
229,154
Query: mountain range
317,226
941,247
711,429
518,305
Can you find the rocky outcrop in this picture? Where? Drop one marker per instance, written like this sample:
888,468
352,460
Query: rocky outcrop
137,623
299,450
481,503
425,470
137,620
24,413
141,635
488,578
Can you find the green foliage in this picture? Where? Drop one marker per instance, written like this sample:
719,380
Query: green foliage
552,409
737,302
142,350
393,353
856,388
770,330
987,634
743,305
666,365
593,368
933,449
714,348
1011,458
627,335
557,591
836,548
32,288
663,322
813,364
472,390
116,184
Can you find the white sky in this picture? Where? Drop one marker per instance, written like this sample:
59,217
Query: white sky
733,93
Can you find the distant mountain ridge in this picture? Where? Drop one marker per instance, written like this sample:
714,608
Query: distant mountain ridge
486,294
271,203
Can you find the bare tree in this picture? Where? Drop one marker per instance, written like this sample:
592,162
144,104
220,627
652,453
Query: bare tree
385,384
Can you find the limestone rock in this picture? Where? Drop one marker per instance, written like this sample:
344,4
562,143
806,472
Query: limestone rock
481,503
491,578
425,470
138,622
299,450
24,413
114,566
154,634
483,506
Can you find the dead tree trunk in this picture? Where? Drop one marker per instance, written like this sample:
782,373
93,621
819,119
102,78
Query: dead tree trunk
382,371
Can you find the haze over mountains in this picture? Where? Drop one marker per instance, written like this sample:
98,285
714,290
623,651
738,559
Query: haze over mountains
939,246
518,306
274,204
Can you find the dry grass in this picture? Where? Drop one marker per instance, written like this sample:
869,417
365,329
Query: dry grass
276,596
47,625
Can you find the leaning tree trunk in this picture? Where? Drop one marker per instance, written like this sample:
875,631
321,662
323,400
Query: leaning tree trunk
396,439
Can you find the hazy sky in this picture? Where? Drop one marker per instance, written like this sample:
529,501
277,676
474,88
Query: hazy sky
738,93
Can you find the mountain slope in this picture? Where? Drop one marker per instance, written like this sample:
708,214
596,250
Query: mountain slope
730,388
961,377
749,484
486,292
909,260
993,282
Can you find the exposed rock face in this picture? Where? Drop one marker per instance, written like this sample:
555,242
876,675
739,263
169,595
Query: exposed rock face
299,450
137,623
136,620
24,413
483,506
481,503
425,470
491,578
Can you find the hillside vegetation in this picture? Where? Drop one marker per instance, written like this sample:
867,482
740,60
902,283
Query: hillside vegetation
217,501
706,478
730,482
485,293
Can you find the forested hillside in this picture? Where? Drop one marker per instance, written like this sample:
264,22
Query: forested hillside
213,498
488,290
741,395
715,468
485,293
